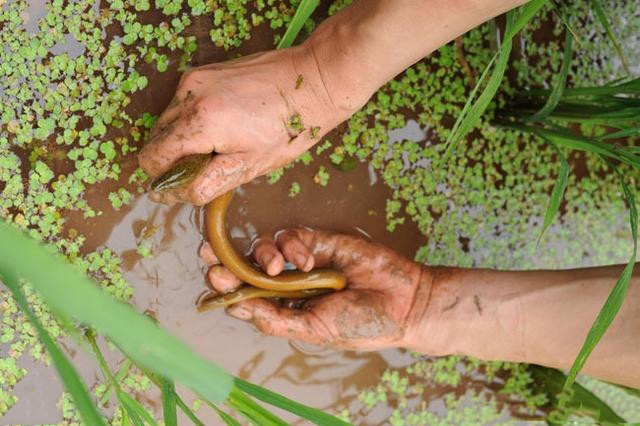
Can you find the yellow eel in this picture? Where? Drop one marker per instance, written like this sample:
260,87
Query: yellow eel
289,284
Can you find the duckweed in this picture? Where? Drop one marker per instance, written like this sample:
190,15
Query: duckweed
68,128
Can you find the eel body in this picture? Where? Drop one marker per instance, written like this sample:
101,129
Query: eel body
289,284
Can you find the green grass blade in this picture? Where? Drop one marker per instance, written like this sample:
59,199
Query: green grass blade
567,139
265,395
252,410
602,17
187,411
169,401
617,295
560,10
227,419
525,14
624,133
72,381
471,113
138,414
558,190
122,372
304,11
550,380
559,83
73,294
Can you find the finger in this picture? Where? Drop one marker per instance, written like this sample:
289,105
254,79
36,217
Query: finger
174,139
207,255
222,280
295,250
266,253
283,322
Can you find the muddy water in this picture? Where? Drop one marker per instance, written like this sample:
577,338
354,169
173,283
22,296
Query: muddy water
169,283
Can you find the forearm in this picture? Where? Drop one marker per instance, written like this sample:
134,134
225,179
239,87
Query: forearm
539,317
371,41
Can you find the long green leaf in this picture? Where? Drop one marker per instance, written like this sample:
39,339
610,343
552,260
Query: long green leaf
558,190
613,303
602,17
559,83
227,419
316,416
138,415
73,294
304,11
72,381
187,411
632,131
253,411
169,402
525,13
582,400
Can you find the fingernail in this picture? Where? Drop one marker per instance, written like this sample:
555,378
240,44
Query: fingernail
240,312
301,260
265,259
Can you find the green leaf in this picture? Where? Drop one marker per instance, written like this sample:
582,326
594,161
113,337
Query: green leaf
169,402
559,84
618,293
187,411
138,414
316,416
602,17
558,190
227,419
472,111
304,11
72,381
550,381
253,411
525,13
74,295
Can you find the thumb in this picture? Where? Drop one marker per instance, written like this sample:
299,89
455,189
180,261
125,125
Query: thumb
288,323
221,173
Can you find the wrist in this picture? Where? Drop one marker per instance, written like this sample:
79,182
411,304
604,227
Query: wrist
345,60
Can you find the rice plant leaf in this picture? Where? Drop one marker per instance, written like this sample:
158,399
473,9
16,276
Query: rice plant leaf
616,296
72,381
632,131
557,193
477,109
187,411
179,402
561,13
227,419
550,380
170,416
265,395
472,111
604,21
304,11
567,139
525,13
253,411
68,291
138,414
559,83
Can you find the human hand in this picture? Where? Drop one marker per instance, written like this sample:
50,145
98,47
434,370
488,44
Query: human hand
256,113
376,310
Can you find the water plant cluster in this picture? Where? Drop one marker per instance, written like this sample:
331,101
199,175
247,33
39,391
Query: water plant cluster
70,74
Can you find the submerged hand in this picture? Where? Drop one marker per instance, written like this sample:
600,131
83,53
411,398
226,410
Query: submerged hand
256,113
373,312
